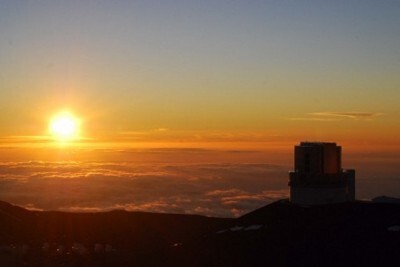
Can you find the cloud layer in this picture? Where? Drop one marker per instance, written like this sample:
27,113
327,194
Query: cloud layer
208,189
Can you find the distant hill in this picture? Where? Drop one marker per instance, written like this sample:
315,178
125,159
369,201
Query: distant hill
279,234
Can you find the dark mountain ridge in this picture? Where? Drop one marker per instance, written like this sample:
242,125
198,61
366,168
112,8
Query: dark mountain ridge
282,234
279,234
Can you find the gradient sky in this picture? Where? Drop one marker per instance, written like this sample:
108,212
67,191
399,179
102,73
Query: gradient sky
294,69
238,76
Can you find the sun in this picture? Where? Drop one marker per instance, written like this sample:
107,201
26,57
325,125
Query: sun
64,126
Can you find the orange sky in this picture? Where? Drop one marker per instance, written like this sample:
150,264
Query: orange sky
202,74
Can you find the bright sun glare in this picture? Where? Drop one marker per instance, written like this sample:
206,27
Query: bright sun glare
64,126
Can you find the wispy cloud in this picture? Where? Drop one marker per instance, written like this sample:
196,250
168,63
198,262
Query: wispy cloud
349,115
327,116
314,119
25,139
161,129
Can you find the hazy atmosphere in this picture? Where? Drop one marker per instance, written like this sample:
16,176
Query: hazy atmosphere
192,106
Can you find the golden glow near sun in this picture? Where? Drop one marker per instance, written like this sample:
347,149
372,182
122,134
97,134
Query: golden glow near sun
64,126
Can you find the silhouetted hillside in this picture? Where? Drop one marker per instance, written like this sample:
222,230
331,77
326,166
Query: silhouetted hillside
282,234
124,238
279,234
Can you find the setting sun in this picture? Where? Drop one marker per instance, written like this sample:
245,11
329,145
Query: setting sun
64,126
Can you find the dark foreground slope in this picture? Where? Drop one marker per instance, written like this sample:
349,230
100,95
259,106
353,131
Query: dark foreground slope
115,238
279,234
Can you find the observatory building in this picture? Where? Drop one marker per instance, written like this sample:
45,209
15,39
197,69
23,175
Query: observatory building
318,177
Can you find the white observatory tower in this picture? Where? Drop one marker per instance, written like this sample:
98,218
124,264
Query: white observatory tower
318,177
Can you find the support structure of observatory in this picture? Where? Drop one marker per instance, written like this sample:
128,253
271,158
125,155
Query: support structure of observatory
318,177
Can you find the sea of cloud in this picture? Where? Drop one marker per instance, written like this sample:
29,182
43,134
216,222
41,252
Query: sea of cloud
220,189
191,181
